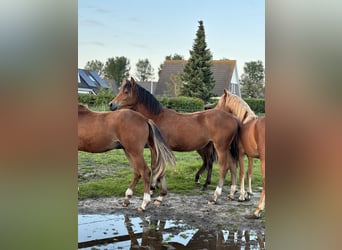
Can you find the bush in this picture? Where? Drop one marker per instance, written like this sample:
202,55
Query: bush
102,98
87,99
183,104
256,104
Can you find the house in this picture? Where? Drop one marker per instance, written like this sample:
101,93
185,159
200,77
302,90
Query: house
89,82
149,86
224,72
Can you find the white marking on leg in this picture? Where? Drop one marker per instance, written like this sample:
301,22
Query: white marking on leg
146,200
233,189
129,193
250,185
242,191
217,192
159,199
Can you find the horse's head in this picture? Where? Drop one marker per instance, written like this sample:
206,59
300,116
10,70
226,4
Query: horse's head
126,98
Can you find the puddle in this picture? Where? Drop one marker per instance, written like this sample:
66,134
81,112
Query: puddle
112,231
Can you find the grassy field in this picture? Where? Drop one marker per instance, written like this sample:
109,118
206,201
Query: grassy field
109,174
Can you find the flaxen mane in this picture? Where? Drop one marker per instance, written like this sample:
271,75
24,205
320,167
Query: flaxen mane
239,108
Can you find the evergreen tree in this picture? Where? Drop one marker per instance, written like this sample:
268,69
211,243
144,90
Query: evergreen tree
197,77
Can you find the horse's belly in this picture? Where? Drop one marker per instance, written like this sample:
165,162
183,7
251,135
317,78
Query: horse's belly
186,147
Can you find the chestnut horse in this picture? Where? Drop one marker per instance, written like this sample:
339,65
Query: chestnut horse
187,132
103,131
251,141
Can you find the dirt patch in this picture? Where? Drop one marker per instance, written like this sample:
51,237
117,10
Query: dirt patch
193,210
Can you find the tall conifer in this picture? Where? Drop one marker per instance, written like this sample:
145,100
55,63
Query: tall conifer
197,77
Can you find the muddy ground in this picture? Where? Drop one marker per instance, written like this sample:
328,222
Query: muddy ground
192,210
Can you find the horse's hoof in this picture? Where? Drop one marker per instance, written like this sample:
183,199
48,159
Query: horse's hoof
212,202
204,188
125,203
140,209
197,184
252,217
157,202
241,200
230,198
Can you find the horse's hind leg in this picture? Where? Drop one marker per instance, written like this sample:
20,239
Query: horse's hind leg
225,162
206,154
145,173
201,152
163,191
140,169
129,191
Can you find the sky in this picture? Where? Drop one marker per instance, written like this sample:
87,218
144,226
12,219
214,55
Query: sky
154,29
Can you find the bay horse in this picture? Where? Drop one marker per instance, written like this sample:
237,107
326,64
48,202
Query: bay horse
187,132
99,132
251,141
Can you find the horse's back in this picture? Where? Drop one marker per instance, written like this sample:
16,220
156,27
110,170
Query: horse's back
103,131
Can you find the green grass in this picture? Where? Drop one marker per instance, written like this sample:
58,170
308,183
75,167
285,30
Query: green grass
109,174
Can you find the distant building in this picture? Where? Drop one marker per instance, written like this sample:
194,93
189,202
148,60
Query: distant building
224,72
89,82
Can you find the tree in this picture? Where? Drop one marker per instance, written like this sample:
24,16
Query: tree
95,65
117,69
174,57
197,77
175,85
252,80
144,70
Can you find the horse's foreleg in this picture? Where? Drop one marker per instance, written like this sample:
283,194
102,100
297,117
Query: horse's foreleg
242,178
261,204
249,175
233,187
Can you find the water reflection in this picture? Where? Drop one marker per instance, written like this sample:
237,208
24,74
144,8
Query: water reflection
122,232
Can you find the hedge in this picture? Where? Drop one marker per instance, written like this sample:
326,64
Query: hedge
180,104
183,104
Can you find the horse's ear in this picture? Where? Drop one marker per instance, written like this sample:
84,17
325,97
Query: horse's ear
225,92
132,80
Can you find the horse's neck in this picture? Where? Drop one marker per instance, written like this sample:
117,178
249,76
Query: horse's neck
142,109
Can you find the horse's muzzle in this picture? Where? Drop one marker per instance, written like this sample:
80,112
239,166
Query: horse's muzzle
113,106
